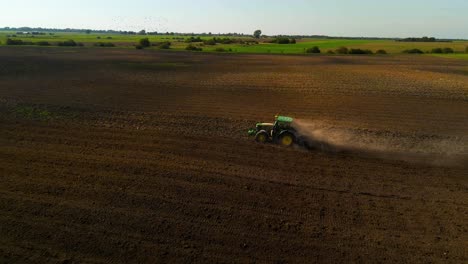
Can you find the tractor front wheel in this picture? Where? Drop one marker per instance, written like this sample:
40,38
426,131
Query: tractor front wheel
261,137
286,139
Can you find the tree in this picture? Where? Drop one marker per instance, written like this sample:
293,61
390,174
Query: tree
257,33
142,32
88,31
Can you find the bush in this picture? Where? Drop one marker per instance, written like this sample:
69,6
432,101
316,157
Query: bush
163,45
145,42
313,50
18,42
193,48
381,52
138,47
104,44
210,42
437,51
222,50
448,50
68,43
43,43
281,41
413,51
193,39
466,49
216,40
330,52
14,42
342,50
359,51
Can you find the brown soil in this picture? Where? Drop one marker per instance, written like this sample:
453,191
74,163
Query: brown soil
120,156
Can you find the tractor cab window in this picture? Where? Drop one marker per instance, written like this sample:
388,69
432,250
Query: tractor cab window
282,125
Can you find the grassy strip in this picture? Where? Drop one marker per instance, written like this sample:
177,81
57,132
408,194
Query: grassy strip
178,43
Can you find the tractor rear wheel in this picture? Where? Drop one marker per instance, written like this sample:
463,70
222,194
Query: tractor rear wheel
261,137
286,139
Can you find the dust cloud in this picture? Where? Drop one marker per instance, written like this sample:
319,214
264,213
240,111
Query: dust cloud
415,148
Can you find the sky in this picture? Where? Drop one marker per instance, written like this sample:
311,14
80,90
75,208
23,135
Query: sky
366,18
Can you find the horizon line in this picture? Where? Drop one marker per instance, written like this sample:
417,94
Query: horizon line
5,28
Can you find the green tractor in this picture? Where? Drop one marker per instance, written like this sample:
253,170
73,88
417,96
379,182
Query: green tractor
281,132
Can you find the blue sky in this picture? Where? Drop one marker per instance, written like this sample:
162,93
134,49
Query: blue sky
397,18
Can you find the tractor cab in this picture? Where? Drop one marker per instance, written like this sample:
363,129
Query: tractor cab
282,123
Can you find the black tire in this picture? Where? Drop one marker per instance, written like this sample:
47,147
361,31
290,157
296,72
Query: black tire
261,137
286,139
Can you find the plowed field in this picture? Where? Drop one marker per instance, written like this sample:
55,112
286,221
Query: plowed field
138,156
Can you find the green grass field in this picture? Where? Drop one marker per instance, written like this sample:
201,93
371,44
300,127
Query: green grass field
128,41
453,56
90,38
300,47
